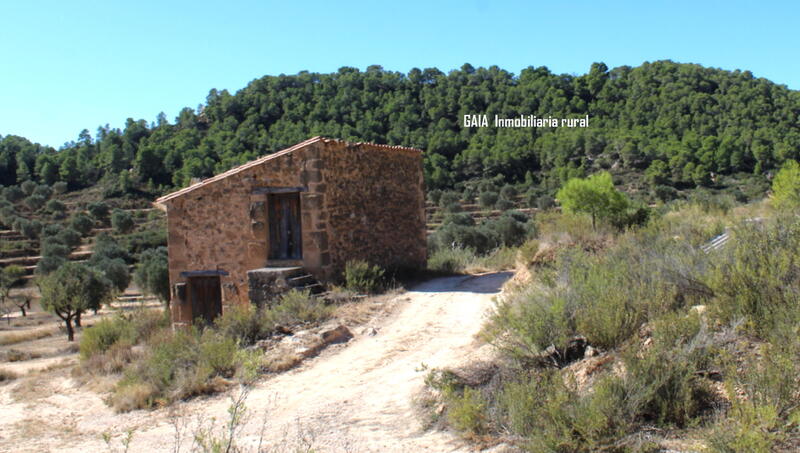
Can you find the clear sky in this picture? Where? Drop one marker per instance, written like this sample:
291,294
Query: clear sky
70,65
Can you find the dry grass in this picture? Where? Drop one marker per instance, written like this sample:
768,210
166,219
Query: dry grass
9,338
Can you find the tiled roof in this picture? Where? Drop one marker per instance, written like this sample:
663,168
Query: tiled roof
268,157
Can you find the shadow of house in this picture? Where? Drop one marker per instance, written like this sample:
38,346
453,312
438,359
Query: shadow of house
289,219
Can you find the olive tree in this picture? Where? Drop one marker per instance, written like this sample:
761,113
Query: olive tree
70,290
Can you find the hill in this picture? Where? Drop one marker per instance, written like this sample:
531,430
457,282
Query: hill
659,127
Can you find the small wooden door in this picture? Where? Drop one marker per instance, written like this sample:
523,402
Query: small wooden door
285,238
205,298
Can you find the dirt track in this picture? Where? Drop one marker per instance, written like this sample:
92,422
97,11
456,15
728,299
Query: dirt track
357,398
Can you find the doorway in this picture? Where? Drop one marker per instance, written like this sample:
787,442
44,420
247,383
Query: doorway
205,298
285,237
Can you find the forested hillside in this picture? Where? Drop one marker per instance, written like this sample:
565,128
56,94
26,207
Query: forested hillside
674,124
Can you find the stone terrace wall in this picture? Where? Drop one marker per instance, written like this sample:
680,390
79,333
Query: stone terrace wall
375,201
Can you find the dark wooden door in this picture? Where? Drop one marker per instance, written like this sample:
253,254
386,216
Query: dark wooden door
285,241
205,297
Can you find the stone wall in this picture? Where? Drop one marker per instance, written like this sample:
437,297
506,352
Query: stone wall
357,201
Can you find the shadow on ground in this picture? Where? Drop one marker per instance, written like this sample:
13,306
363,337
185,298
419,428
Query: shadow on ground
488,283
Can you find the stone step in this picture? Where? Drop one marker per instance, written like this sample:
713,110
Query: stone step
301,280
313,288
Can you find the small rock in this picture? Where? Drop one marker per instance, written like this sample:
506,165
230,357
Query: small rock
370,331
340,334
590,352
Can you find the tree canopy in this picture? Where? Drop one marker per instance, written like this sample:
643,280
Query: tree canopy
595,195
683,123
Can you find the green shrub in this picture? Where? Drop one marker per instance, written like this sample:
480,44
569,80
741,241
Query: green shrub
297,307
49,264
68,237
509,229
115,270
478,238
451,260
362,277
460,218
178,364
82,223
434,196
28,187
105,333
99,211
121,221
487,200
44,191
152,273
466,411
12,274
52,247
14,194
755,276
504,205
55,207
60,187
32,229
35,202
508,192
245,323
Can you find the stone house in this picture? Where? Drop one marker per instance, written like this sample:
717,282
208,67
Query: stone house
289,218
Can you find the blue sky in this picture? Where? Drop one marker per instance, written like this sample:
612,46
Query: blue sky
70,65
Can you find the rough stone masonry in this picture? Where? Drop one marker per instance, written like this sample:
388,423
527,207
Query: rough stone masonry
356,201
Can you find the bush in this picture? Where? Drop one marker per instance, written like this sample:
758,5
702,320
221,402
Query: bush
100,211
82,223
106,333
434,196
43,191
68,237
504,205
28,187
49,264
139,241
56,207
52,247
12,274
478,238
451,260
121,221
460,218
60,187
177,365
509,230
32,229
14,194
466,411
245,323
755,276
508,192
297,307
35,202
487,200
115,270
152,273
362,277
106,246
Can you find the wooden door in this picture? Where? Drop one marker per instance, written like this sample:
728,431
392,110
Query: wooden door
205,298
285,238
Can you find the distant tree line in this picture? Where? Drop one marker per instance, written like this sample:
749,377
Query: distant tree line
678,124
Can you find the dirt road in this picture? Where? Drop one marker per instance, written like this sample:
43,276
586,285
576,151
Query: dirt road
357,398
